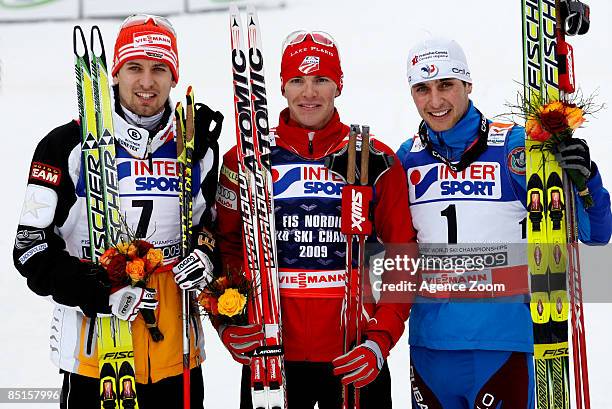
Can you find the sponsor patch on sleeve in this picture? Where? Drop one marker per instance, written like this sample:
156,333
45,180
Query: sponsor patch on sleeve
498,133
41,172
30,253
516,160
27,238
227,198
417,144
229,174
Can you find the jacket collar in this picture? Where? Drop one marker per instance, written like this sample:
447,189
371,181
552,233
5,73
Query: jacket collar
307,143
454,141
139,142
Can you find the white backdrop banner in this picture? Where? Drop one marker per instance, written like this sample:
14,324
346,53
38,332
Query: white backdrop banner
16,10
27,10
202,5
123,8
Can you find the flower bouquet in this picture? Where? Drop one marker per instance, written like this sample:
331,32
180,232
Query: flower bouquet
132,263
224,299
554,122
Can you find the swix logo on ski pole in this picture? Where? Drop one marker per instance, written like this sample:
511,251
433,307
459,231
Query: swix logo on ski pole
305,181
357,218
481,180
355,210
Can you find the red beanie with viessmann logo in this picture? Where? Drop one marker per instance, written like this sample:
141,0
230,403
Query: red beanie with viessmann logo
310,58
147,41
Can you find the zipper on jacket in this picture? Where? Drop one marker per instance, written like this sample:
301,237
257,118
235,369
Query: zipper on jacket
149,154
310,138
90,335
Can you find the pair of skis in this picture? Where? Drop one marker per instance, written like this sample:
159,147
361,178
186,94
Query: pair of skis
552,225
257,209
115,350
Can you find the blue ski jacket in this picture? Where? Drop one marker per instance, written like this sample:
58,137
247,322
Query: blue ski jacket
487,325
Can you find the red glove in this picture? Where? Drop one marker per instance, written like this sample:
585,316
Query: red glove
361,365
241,339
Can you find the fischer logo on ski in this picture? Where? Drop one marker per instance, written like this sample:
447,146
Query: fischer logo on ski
548,74
115,351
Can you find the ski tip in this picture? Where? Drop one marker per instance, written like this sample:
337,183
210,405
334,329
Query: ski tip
79,42
189,95
233,9
251,9
97,44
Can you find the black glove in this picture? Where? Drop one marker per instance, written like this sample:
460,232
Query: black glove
95,291
207,125
207,129
574,154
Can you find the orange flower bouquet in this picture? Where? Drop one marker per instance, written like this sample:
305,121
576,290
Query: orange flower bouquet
132,263
554,122
224,299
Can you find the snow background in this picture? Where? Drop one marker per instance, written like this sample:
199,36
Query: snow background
37,93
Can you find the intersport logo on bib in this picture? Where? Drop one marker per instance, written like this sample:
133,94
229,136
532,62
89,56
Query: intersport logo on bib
481,180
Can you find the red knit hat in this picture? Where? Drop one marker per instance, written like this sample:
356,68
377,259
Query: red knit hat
148,37
310,53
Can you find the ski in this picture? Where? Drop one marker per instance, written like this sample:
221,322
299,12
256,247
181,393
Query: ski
548,76
115,350
256,208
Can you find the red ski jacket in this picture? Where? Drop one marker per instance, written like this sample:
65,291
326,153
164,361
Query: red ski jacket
310,247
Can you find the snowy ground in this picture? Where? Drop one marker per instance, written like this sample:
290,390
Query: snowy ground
37,94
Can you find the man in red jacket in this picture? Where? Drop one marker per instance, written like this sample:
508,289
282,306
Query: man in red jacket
307,200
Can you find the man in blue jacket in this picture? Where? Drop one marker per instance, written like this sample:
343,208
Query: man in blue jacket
467,187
